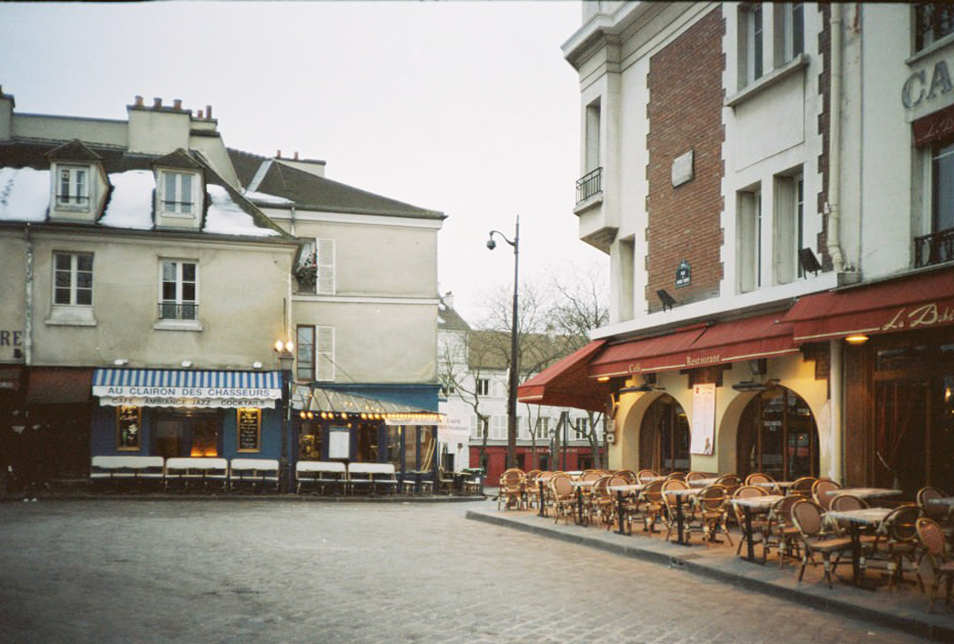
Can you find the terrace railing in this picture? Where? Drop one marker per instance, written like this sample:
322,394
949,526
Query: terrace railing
934,248
589,184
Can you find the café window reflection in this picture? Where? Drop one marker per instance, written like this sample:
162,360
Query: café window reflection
778,436
129,428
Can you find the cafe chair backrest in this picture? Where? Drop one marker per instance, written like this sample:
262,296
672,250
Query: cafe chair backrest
932,510
807,517
758,477
847,502
643,476
820,492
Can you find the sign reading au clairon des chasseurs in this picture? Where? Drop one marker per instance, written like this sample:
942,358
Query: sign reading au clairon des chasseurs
210,397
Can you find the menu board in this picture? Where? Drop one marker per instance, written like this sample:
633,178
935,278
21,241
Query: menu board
339,442
249,421
703,419
129,427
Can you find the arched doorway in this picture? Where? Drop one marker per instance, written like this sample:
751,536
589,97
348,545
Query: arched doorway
778,436
664,437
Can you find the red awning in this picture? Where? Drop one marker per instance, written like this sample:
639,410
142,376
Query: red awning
762,336
911,303
57,386
564,384
646,355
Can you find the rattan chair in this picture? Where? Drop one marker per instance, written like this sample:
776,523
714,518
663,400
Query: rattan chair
802,486
696,476
677,476
563,497
779,532
670,502
807,518
820,490
942,515
602,501
645,476
511,492
709,513
629,475
897,540
731,482
758,523
942,569
531,491
758,478
652,505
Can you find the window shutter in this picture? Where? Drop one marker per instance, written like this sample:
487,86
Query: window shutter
325,355
326,266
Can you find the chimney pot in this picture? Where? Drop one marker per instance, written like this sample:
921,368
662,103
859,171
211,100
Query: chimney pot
156,103
200,113
208,111
296,155
177,104
139,101
278,154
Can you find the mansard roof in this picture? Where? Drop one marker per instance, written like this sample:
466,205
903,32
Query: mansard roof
75,150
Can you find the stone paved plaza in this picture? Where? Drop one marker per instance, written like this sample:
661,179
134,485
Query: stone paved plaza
282,571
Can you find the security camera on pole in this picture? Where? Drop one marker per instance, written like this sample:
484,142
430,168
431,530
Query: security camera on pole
514,355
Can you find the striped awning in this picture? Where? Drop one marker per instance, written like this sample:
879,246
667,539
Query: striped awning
187,388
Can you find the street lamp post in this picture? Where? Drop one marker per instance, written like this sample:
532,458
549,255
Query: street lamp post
286,359
514,355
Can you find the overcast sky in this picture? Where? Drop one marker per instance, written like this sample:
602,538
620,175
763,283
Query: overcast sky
463,107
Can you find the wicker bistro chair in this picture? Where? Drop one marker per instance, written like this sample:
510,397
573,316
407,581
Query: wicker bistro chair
531,491
731,482
678,476
545,501
942,569
841,502
653,506
669,502
807,518
758,523
511,493
942,515
602,501
695,476
802,486
563,497
644,476
820,490
897,540
758,477
779,532
709,514
629,475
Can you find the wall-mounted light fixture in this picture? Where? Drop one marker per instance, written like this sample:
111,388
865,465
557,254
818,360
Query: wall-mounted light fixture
186,364
120,362
668,301
856,338
808,261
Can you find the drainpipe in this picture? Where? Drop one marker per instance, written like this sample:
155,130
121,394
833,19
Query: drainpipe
836,382
834,145
28,300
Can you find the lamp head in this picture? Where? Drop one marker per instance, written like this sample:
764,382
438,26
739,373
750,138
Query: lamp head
491,244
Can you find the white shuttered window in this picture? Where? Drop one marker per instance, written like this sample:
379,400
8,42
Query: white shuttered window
325,353
325,266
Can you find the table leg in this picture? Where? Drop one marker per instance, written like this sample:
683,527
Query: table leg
542,510
579,506
750,546
619,511
679,521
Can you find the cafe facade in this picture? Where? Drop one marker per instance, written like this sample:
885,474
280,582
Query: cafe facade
778,222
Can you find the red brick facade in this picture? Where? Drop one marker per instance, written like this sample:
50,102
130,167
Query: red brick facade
685,113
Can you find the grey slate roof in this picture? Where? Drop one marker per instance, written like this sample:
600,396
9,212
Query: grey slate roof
318,193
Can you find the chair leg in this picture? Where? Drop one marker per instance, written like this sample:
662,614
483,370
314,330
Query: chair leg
801,572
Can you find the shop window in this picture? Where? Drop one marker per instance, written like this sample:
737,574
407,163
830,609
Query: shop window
789,227
664,437
73,279
394,436
749,240
129,428
178,290
367,443
778,436
248,423
933,21
310,442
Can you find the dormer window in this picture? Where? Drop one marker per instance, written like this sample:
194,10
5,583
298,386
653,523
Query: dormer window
178,193
72,189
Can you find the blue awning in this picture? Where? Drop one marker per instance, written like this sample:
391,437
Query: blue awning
187,388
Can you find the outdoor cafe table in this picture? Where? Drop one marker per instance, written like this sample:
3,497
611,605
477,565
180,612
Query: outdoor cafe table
864,492
579,485
754,505
680,516
621,491
703,482
857,518
781,485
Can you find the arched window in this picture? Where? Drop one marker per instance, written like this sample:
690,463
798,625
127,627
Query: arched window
778,436
664,437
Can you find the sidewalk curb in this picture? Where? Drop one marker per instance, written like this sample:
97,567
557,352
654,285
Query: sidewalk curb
928,627
270,498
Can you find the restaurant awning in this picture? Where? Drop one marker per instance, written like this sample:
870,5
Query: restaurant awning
187,388
565,383
57,386
762,336
646,355
921,301
320,400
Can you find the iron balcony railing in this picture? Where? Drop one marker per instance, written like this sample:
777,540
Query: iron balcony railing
178,311
934,248
590,184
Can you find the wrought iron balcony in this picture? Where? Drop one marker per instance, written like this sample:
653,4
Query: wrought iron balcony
590,184
934,248
178,310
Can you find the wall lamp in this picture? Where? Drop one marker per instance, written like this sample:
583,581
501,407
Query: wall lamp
808,262
856,338
668,301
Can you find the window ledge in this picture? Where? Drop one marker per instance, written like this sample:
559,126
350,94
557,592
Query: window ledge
930,49
772,78
71,316
178,325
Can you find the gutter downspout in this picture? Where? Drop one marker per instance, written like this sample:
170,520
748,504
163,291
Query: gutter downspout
836,382
28,300
833,205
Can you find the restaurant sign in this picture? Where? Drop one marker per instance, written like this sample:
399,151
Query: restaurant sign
927,315
184,401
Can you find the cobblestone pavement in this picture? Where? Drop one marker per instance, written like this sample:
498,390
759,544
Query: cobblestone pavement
266,571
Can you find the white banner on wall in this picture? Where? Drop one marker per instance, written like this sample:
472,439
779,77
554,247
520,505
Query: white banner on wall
703,419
